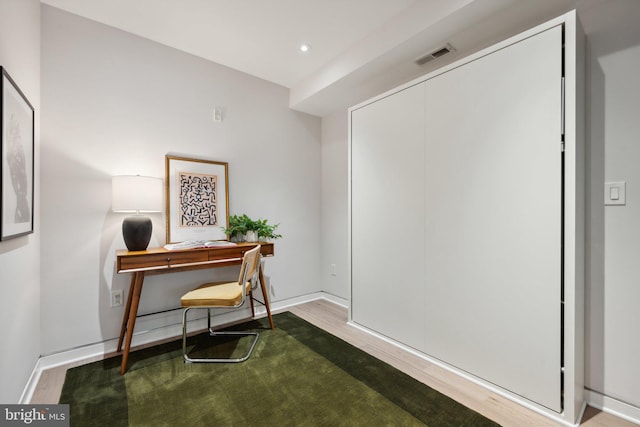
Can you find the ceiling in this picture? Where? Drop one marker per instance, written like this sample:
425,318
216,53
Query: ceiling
358,47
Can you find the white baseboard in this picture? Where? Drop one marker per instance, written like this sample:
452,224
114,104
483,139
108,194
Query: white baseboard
335,299
594,399
32,382
472,378
171,328
311,297
613,406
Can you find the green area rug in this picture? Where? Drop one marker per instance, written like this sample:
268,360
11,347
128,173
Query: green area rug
298,375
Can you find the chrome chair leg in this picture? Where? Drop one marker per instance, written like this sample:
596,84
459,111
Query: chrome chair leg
212,333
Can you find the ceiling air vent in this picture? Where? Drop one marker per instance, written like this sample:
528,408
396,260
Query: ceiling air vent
434,55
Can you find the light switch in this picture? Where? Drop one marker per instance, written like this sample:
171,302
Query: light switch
615,193
217,114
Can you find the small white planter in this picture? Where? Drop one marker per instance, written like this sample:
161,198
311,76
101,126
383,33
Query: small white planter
251,236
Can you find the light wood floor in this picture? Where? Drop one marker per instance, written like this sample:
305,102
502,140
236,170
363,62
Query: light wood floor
333,318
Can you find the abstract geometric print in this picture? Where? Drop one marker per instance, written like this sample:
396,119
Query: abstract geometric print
197,199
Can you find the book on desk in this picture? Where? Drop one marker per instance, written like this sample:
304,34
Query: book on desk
195,244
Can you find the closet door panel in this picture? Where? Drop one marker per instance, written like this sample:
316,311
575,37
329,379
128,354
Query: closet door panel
387,216
493,175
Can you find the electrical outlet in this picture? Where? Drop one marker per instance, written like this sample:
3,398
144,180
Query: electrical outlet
117,298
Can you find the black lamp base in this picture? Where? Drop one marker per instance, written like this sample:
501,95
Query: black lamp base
136,231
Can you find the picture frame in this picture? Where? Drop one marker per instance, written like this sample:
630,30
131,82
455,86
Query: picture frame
17,118
197,199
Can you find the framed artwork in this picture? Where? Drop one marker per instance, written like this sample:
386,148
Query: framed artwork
197,198
16,163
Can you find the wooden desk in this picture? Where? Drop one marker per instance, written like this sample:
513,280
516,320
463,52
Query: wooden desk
162,261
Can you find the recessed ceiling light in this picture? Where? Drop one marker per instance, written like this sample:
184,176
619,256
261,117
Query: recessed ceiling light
305,47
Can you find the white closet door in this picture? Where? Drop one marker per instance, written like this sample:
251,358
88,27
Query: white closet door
387,216
493,224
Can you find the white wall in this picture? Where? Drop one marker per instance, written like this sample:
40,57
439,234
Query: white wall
116,104
20,257
613,233
334,205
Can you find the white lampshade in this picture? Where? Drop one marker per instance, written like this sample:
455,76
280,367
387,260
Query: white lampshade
135,193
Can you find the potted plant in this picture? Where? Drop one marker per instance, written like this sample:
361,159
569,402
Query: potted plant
264,230
242,227
237,227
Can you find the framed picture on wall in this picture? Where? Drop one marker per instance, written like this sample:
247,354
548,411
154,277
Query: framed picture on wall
197,198
16,180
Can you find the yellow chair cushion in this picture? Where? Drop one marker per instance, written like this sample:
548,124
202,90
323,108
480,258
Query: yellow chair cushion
214,294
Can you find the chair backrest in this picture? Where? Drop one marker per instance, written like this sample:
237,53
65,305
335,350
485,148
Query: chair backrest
250,262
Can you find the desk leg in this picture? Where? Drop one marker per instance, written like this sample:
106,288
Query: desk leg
125,315
265,294
253,309
131,321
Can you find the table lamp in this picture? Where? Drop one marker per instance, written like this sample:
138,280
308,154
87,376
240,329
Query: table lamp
136,194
